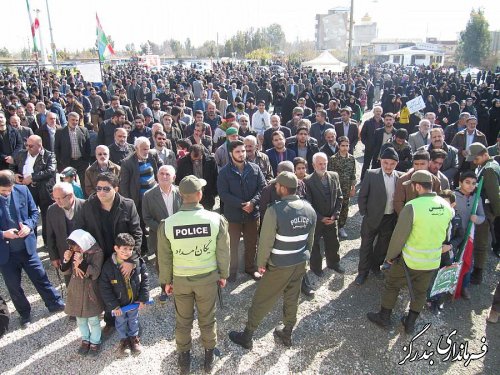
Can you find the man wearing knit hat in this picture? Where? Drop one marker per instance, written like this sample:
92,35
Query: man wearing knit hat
286,240
375,203
414,251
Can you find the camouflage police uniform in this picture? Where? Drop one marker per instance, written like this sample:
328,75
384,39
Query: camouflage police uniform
346,168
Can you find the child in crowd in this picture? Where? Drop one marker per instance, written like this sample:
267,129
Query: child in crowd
465,198
118,291
449,249
84,301
69,175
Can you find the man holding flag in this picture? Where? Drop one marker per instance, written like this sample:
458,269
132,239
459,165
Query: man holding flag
488,170
414,250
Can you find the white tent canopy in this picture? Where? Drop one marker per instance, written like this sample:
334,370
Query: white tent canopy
325,61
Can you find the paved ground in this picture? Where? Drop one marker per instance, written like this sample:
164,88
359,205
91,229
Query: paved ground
332,335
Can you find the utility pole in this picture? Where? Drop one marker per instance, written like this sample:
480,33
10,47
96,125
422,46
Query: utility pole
42,49
349,51
52,44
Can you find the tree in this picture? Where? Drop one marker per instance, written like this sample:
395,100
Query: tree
4,52
176,47
474,43
188,46
130,47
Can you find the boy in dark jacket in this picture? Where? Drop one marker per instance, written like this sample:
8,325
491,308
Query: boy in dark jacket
117,291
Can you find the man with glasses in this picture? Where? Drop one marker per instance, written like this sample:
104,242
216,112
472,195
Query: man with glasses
102,164
36,169
106,214
61,218
293,124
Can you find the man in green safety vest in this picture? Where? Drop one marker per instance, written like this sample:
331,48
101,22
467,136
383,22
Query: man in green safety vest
193,257
414,250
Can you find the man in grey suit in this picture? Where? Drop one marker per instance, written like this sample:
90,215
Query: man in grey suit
420,138
61,217
159,203
324,193
375,204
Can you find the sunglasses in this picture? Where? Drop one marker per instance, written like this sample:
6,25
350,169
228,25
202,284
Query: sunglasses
106,189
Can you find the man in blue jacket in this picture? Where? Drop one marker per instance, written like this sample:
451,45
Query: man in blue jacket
239,185
18,220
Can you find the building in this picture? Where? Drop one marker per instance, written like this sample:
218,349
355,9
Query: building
364,32
380,45
332,29
420,54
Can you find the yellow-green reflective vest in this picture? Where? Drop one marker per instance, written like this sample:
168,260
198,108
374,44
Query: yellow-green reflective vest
193,239
431,218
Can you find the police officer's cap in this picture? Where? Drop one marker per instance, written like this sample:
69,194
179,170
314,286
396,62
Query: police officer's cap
287,179
419,177
476,149
191,184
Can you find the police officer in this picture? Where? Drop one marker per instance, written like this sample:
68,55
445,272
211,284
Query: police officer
489,170
285,243
420,231
193,257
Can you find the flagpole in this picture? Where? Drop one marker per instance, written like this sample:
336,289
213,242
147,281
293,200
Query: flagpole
35,50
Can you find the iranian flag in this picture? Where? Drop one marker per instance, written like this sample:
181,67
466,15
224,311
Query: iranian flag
105,49
465,256
34,27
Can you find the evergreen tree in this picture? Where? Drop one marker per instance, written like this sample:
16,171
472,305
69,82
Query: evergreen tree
474,43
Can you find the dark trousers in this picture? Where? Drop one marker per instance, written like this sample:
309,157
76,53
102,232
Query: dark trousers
367,159
81,166
31,264
250,233
43,201
372,256
496,299
329,234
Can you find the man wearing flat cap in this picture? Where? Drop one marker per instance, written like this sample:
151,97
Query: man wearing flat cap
489,170
193,258
285,243
414,251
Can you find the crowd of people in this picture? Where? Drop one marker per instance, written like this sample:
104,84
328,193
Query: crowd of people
144,156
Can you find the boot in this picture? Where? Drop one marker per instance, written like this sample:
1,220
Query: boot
243,339
123,347
306,288
382,318
476,276
184,362
209,360
409,321
284,333
135,345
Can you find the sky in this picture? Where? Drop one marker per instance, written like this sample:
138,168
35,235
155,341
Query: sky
73,21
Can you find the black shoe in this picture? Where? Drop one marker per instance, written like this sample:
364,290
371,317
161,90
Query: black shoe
476,276
231,278
284,333
433,307
25,321
378,274
57,308
208,365
337,268
243,339
409,321
382,318
361,278
184,362
319,273
307,291
94,350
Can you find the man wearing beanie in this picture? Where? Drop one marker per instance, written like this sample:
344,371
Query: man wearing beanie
375,203
222,156
285,244
414,252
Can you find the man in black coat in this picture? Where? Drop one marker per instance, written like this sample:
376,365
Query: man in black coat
367,133
202,165
347,127
106,214
10,143
36,168
108,127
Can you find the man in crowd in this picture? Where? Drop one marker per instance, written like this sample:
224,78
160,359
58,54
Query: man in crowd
10,143
279,152
382,136
421,137
268,134
367,134
376,205
18,250
319,127
120,149
101,165
450,165
324,193
347,127
108,127
257,157
239,185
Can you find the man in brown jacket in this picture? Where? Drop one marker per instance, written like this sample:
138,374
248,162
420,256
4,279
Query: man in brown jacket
102,164
405,193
